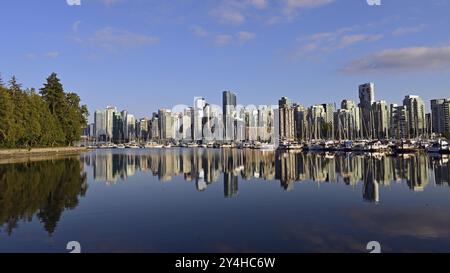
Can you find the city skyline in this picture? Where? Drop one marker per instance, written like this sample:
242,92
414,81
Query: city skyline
287,122
143,55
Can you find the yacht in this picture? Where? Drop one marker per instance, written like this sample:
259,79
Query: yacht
134,146
246,145
267,147
440,146
153,145
192,145
360,146
406,147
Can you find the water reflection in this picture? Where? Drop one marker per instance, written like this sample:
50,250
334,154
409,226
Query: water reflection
42,191
205,166
42,188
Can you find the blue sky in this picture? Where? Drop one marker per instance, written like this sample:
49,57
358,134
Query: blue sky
141,55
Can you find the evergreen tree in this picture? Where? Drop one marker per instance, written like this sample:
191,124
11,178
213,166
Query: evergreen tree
6,118
51,133
33,131
2,84
53,94
65,107
20,107
29,119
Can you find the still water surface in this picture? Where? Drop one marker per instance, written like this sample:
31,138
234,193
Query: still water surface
207,200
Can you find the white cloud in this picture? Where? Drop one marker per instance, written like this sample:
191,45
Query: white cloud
228,15
112,39
239,38
31,56
49,55
234,11
407,30
348,40
326,42
76,26
199,31
223,39
402,59
245,36
290,6
259,4
52,54
110,2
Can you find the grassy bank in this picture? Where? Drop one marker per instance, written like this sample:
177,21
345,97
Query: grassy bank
11,153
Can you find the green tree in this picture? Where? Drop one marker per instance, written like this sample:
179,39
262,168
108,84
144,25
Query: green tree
74,117
65,107
20,108
51,133
29,119
6,117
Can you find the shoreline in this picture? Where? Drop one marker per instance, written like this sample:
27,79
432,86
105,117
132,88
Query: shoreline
17,153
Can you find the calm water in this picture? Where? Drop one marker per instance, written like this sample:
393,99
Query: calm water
199,200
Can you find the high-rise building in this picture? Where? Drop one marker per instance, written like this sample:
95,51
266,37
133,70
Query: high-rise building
265,123
199,105
252,123
416,115
118,136
381,117
129,128
154,128
208,122
142,129
187,129
100,125
166,124
240,125
440,111
286,119
328,120
366,99
109,121
428,125
344,123
301,122
124,115
316,120
355,119
229,110
399,125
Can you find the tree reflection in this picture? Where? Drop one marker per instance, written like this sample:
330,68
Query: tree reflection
41,188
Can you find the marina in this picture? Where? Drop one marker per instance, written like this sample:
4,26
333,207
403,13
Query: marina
440,146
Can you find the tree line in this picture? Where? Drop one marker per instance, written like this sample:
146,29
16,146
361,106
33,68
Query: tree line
49,117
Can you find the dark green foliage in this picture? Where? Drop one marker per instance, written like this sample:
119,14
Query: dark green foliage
6,116
41,188
51,118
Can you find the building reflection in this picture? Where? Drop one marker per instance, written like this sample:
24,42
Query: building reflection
207,166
